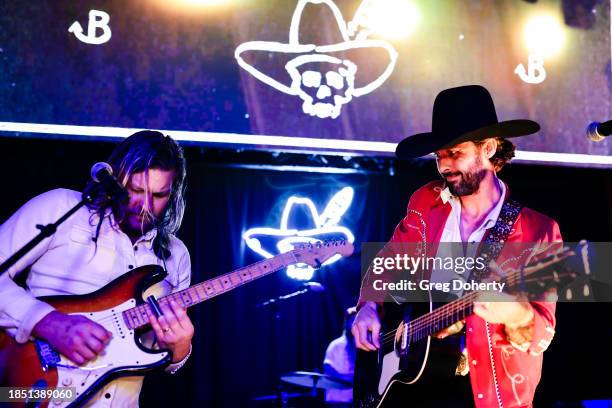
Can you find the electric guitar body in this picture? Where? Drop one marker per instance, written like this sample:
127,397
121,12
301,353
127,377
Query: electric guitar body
120,308
36,365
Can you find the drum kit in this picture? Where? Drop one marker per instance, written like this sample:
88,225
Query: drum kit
308,383
305,379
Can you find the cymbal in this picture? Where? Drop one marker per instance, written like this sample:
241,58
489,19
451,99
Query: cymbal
277,396
315,380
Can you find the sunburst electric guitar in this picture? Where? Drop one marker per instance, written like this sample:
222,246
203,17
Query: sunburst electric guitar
120,308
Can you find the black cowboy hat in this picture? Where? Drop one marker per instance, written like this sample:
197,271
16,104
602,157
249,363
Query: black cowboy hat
462,114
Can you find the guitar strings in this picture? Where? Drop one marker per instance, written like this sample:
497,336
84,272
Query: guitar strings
439,315
417,325
462,304
190,291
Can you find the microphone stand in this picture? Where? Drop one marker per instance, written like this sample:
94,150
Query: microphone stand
45,232
284,297
275,303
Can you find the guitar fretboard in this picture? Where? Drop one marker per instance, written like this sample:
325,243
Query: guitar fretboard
457,310
139,316
441,318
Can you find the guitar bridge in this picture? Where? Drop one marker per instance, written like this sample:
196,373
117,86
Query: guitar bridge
48,356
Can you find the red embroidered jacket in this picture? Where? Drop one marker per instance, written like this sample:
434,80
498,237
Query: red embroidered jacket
501,375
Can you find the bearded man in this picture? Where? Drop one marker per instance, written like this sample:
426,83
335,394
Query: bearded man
502,362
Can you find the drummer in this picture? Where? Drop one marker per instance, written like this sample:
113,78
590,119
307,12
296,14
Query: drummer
340,362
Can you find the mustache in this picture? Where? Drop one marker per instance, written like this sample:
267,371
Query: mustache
144,215
451,174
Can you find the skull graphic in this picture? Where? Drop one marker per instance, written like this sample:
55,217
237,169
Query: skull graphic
322,67
323,82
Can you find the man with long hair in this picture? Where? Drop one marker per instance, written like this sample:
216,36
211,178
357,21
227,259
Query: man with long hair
504,339
96,245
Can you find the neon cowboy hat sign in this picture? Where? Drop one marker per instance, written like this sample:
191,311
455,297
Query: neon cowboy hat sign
270,241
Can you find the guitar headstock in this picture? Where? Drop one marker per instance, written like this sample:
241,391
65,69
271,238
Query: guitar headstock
315,254
560,270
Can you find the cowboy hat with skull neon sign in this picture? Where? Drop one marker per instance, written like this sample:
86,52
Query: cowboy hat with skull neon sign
324,76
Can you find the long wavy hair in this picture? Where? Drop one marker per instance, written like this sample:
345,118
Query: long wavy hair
141,152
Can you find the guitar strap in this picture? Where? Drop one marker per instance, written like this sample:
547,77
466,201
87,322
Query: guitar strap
497,236
490,249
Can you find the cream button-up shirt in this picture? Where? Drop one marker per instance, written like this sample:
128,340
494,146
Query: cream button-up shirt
451,242
70,263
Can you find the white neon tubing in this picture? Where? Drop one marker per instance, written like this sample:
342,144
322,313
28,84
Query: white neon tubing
339,145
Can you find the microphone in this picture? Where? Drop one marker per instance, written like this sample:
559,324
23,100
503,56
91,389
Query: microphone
598,131
102,173
306,287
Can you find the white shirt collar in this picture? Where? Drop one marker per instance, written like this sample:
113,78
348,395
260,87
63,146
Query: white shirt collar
446,195
491,217
148,237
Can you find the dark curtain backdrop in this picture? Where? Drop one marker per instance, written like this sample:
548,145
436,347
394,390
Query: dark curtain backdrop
236,354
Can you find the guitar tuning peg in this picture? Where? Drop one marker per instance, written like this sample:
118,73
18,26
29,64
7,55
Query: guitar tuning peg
586,291
568,294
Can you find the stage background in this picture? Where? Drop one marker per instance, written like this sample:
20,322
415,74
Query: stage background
235,357
171,66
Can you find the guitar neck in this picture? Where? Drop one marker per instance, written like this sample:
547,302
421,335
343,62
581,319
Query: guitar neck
441,318
139,316
457,310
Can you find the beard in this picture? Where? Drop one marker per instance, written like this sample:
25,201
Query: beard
137,224
469,183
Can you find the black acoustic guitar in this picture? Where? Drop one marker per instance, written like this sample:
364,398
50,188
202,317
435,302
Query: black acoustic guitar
409,355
